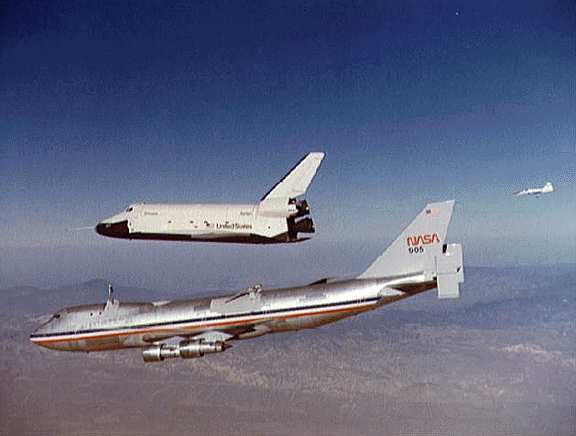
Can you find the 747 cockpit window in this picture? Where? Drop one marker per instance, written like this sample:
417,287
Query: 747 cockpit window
54,317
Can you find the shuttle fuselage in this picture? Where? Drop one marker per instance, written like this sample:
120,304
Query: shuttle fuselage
209,223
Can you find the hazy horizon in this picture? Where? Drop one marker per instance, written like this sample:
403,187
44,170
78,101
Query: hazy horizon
160,265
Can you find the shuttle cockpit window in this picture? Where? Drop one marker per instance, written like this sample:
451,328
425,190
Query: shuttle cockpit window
130,209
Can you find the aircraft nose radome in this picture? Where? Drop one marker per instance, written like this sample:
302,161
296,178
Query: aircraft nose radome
34,336
37,334
113,230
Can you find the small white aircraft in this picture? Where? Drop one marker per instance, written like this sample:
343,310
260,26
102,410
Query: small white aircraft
548,187
273,220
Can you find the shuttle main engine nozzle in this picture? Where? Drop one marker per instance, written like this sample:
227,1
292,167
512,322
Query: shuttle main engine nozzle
305,225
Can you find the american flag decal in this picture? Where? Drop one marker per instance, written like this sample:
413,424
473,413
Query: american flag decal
432,213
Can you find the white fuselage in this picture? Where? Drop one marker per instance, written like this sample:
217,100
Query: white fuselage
201,222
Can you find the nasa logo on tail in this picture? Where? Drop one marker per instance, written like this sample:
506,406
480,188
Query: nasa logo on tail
422,239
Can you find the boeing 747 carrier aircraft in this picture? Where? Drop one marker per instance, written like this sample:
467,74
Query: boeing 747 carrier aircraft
279,217
418,260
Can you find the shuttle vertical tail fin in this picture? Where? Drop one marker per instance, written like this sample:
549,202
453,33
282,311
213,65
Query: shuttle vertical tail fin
281,201
297,180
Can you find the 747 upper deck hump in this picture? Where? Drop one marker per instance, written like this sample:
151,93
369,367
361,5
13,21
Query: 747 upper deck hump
279,217
418,260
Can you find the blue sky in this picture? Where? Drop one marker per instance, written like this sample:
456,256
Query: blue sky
108,103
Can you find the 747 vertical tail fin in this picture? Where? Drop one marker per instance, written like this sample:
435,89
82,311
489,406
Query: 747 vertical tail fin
422,248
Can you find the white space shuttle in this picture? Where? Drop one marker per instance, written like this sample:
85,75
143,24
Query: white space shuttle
278,218
548,187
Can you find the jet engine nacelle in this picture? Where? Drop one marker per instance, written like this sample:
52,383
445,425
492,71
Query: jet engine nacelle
185,350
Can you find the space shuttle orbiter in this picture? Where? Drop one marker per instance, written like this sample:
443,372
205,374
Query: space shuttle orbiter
548,187
279,217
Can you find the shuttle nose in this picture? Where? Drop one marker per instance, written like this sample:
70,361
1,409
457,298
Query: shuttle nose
113,230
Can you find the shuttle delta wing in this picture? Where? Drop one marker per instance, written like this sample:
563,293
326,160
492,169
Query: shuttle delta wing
298,179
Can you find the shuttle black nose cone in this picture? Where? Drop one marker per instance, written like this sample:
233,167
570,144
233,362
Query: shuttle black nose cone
113,230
